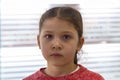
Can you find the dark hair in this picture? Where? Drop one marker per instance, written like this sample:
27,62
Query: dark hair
66,13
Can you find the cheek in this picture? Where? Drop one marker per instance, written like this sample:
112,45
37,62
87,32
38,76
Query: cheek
45,52
70,54
73,46
71,50
44,48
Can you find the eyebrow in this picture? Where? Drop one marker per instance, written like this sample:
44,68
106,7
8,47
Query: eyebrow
67,32
62,32
48,31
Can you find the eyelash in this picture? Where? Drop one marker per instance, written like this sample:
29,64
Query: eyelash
64,37
48,36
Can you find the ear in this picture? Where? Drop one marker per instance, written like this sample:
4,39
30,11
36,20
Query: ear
81,42
38,41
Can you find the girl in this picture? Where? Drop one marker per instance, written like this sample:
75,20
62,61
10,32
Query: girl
60,38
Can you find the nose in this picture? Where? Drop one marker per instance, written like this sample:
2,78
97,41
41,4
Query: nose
56,44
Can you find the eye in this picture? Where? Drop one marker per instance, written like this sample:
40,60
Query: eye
66,37
48,36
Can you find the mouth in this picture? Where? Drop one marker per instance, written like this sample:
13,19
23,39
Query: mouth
56,55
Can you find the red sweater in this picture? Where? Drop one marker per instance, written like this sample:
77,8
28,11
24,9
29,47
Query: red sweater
81,74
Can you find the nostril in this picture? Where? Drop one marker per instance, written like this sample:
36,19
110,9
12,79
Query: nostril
57,45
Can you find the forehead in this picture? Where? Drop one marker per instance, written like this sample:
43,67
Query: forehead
58,24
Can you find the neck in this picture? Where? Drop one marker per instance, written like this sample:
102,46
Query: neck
57,71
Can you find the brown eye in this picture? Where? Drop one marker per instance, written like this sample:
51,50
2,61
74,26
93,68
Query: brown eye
48,36
66,37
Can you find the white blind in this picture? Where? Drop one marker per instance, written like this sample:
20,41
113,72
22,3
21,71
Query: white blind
20,55
103,58
18,62
19,30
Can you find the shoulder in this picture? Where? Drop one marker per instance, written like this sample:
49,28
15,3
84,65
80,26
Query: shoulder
35,76
89,75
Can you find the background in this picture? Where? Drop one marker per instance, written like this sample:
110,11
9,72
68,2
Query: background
20,55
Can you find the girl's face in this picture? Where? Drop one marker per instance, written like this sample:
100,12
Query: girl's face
58,41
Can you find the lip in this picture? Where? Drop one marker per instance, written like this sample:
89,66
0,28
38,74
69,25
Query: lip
56,55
